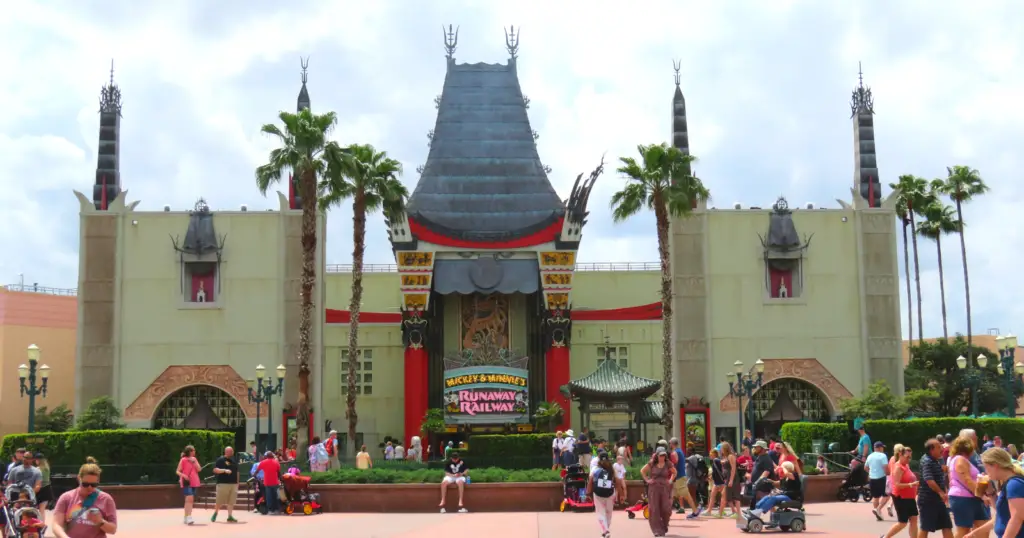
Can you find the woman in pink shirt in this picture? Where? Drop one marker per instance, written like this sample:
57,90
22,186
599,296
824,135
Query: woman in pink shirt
188,477
85,512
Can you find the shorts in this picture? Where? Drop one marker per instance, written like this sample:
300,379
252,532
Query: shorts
933,516
877,486
905,509
454,480
227,494
967,510
188,491
45,495
556,457
680,490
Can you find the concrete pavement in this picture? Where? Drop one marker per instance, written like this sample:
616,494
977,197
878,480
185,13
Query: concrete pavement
834,520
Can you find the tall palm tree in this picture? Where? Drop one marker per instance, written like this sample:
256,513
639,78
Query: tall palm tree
940,220
903,213
661,182
915,195
964,184
370,179
304,151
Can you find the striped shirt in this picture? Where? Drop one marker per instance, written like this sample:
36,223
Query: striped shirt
931,469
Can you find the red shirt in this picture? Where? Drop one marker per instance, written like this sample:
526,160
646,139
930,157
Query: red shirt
908,477
746,462
271,472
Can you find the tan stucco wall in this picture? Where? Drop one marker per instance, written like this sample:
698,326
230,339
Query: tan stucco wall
49,322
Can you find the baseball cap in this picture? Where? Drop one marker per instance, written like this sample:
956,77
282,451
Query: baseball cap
879,444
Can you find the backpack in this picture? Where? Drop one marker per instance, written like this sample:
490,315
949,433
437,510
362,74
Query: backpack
700,468
329,446
604,486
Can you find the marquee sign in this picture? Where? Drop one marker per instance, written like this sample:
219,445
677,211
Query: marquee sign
486,395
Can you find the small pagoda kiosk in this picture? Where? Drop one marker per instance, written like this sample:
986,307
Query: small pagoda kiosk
610,389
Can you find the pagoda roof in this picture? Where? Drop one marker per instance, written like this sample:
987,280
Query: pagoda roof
651,411
483,179
611,381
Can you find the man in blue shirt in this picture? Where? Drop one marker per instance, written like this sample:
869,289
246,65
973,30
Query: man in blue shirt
878,469
679,489
864,445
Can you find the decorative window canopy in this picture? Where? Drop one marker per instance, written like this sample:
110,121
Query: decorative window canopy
782,245
201,242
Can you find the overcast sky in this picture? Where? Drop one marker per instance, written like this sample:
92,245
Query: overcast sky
767,86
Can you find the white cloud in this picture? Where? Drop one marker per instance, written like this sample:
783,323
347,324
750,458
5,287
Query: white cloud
766,85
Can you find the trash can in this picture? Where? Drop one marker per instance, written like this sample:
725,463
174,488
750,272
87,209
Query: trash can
818,446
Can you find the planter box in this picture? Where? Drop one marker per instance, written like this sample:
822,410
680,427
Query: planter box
383,498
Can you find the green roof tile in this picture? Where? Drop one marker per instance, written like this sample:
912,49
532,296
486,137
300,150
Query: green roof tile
651,411
611,381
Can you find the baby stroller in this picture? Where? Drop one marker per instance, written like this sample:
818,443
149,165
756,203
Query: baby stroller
855,485
574,487
22,518
298,496
640,507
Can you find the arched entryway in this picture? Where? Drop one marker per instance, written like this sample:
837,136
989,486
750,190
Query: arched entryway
787,400
202,407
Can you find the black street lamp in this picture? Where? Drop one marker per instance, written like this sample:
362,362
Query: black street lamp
745,384
265,392
1010,373
973,375
27,375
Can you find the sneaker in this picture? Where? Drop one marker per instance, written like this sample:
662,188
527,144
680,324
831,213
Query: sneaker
462,510
443,511
680,511
755,513
889,508
878,515
232,520
189,520
213,518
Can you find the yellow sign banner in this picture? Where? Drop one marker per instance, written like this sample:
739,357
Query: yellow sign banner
558,279
473,379
415,301
416,259
415,280
557,301
558,259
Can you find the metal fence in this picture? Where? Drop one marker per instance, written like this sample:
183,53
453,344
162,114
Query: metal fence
592,266
35,288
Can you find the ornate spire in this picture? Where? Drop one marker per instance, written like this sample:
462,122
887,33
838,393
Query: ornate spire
865,173
303,101
512,42
680,136
110,95
451,40
861,102
676,66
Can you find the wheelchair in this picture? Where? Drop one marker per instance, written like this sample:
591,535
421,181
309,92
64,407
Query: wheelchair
787,516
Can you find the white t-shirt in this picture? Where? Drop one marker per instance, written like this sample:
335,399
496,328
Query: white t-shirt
399,452
620,470
556,444
594,465
568,443
622,451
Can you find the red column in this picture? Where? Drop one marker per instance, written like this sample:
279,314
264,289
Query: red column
557,374
416,366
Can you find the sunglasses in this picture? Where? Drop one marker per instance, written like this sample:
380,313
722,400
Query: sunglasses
90,484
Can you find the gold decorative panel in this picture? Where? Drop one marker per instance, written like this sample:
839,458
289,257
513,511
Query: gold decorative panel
558,279
484,317
423,260
409,281
557,301
556,275
558,259
415,270
416,301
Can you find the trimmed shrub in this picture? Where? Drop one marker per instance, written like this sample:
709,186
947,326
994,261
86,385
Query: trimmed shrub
126,456
913,433
434,476
523,451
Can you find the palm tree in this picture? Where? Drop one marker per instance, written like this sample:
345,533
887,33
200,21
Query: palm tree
940,220
370,179
304,150
964,184
914,195
661,182
903,213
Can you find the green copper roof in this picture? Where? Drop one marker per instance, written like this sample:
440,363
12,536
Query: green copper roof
651,411
610,381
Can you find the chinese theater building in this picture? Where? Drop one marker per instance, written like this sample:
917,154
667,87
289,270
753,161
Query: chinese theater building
487,313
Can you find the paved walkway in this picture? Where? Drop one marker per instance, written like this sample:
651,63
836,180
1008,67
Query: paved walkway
834,520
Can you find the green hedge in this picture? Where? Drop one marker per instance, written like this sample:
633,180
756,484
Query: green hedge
139,455
523,451
433,476
913,433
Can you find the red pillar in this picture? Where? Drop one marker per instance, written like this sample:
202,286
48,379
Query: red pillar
557,375
416,367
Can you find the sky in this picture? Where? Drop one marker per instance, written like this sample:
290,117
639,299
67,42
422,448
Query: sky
767,86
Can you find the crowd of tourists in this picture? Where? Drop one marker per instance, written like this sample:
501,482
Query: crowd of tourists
965,488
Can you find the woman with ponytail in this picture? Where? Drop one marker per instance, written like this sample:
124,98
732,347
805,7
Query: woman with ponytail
1009,520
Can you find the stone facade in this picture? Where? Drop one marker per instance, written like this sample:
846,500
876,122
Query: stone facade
175,378
809,370
690,305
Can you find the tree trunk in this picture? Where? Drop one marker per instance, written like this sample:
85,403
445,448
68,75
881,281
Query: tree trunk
942,286
307,190
917,279
668,415
967,281
910,298
358,249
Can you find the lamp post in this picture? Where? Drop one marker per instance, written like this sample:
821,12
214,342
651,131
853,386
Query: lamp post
972,374
27,374
265,392
1011,373
745,384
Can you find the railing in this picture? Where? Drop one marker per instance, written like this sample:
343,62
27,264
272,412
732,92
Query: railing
592,266
33,288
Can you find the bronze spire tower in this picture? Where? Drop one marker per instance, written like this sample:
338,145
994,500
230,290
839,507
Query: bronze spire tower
865,165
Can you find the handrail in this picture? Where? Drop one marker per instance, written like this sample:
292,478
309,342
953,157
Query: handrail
587,267
26,288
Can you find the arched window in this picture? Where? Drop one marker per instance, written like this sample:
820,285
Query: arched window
200,407
789,400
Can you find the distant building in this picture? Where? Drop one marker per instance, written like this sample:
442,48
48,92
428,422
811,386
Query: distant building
46,317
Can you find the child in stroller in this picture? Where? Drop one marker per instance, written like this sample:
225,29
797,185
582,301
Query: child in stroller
855,485
20,513
298,496
574,487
